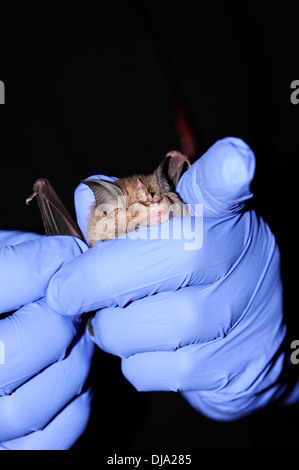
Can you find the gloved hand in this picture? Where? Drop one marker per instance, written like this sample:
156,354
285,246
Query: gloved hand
200,312
44,359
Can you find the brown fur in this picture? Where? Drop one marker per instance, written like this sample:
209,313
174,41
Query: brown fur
145,204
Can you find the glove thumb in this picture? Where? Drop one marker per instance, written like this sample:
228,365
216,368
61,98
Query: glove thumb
220,179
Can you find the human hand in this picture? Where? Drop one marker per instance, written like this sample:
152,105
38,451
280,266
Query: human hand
205,320
44,359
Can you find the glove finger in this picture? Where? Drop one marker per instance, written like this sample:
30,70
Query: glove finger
236,363
15,237
220,179
84,199
187,368
61,433
27,268
31,339
30,407
166,321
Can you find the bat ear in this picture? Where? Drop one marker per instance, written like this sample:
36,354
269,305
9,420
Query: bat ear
171,169
106,193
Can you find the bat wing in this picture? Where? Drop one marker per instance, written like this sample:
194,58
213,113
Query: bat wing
56,219
173,165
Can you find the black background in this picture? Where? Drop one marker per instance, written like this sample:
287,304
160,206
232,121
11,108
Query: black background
85,95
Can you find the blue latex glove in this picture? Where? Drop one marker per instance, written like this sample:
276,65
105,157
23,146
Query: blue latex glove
42,405
204,320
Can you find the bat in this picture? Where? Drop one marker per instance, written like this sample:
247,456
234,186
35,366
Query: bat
119,207
136,201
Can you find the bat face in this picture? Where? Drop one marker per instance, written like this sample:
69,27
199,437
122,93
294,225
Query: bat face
147,201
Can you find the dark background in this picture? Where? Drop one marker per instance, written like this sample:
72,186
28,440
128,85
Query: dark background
85,94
